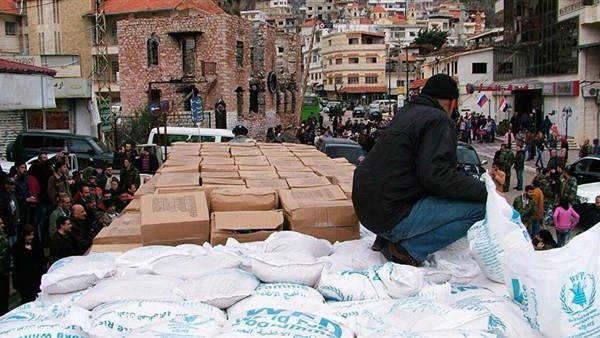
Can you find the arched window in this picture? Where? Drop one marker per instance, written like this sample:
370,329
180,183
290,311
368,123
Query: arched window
152,50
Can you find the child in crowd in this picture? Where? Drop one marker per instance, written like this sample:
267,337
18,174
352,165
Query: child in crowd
544,241
565,219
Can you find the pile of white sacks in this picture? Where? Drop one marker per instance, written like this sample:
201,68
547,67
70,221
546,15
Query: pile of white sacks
293,285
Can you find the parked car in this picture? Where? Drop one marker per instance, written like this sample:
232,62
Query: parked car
359,111
334,108
89,151
587,169
586,200
341,147
374,112
468,158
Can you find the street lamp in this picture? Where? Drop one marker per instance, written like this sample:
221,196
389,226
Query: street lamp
567,112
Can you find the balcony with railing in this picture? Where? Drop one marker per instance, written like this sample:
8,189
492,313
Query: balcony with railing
572,8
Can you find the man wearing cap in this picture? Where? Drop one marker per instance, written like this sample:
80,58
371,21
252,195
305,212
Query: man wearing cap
241,135
407,190
9,209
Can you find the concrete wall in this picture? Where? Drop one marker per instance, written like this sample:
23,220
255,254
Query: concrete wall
11,124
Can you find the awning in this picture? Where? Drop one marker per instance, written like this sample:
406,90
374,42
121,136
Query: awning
364,89
418,83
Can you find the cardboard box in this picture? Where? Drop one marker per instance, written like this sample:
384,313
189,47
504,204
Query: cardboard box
346,188
243,199
180,158
258,175
295,169
217,167
222,181
340,160
175,190
256,167
223,153
323,193
173,219
125,229
169,180
278,153
147,188
286,162
190,168
99,248
317,213
251,160
309,153
220,174
332,233
296,174
317,161
298,146
245,152
217,160
308,182
275,184
134,206
242,145
244,226
342,177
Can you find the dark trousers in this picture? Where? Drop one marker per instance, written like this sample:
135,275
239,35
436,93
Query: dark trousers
4,293
27,295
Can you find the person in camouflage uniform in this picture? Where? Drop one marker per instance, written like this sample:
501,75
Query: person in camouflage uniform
129,175
506,159
546,186
568,187
4,270
526,206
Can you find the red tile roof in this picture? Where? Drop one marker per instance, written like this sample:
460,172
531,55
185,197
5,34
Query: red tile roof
21,68
310,22
378,9
418,83
363,89
365,21
132,6
8,6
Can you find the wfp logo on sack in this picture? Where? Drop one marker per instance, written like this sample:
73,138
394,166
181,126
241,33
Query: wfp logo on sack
578,294
521,296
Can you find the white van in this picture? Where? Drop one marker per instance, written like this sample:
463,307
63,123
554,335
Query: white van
183,134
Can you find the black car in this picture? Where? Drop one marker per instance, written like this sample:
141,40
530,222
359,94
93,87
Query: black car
341,147
89,151
358,111
587,169
469,161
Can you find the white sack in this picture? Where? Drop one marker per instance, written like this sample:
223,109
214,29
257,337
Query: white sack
505,317
378,282
354,255
291,241
76,273
219,288
270,322
113,319
185,267
145,256
285,267
158,288
281,296
501,231
557,289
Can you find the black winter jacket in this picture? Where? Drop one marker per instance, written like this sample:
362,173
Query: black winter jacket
415,157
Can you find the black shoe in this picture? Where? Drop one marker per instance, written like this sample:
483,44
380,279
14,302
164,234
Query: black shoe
378,244
396,253
515,187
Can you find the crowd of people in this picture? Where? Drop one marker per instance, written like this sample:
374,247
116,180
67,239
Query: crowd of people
311,130
547,201
48,212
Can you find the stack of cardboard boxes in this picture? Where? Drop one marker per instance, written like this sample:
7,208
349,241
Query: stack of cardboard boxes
210,192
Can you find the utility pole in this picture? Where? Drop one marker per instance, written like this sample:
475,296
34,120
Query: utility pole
305,75
102,72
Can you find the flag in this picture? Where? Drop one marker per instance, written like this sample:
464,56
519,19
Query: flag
482,100
503,106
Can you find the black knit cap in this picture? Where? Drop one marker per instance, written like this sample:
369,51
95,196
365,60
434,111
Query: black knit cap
441,86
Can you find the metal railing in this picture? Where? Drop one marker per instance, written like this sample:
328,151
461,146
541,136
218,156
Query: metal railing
570,9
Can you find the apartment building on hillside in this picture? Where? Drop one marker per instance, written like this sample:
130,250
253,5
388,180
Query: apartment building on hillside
12,16
354,65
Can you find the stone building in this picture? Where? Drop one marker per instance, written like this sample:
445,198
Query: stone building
254,69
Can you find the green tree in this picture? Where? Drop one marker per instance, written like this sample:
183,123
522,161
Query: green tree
432,37
136,127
